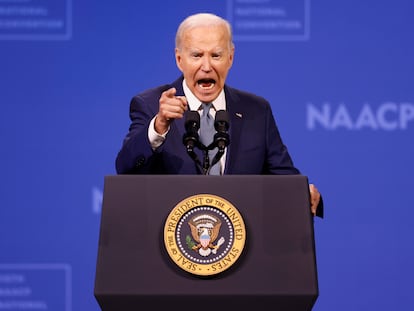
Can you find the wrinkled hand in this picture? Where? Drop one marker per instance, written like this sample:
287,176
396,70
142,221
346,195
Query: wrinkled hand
315,198
171,107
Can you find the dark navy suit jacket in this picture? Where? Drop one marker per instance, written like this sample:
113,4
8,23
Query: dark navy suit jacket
255,144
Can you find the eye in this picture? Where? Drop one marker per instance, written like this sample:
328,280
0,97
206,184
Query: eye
216,55
196,55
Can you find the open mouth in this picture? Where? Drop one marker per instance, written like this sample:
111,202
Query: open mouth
206,84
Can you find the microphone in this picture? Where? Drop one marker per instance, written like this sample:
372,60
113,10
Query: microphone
192,125
221,124
221,138
190,138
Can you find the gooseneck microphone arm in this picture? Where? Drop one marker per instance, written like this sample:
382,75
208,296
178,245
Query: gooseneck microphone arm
221,138
191,138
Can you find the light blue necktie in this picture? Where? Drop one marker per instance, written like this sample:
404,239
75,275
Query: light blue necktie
207,132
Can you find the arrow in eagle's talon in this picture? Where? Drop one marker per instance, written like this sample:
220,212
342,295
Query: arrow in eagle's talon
220,241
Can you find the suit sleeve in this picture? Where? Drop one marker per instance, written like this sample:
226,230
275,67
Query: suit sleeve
278,159
136,152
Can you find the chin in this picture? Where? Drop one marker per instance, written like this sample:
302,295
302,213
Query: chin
206,97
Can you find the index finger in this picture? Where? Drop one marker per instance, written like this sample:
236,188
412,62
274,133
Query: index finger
170,92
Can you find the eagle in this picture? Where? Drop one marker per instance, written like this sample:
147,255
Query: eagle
205,230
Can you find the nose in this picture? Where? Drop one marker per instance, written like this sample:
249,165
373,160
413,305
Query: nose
206,65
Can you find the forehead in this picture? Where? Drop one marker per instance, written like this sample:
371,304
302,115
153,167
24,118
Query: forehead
206,37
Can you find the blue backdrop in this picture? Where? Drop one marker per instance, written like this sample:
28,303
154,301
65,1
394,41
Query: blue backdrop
339,76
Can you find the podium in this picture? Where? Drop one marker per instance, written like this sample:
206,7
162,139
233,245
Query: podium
276,269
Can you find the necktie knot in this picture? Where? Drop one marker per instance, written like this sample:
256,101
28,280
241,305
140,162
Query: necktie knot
206,110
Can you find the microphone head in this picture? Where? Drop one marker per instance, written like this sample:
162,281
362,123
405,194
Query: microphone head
192,120
221,121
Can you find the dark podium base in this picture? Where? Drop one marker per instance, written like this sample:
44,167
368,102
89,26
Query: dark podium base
276,271
207,303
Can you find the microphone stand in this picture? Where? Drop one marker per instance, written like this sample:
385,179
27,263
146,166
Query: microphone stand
221,138
191,140
206,157
193,155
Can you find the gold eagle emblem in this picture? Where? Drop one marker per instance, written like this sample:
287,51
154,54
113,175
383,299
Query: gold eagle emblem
205,229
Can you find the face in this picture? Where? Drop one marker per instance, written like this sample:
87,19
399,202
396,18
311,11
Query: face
205,58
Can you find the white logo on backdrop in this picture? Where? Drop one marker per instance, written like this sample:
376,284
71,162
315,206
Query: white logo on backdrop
35,20
35,286
388,116
269,20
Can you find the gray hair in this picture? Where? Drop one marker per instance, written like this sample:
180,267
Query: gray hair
200,20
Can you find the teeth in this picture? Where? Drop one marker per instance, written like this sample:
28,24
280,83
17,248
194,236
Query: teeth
209,86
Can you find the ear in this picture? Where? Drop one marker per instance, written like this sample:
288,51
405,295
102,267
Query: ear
178,59
231,57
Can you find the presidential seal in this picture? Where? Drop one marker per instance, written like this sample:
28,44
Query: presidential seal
204,234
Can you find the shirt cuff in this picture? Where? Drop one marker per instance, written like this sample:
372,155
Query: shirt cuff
155,139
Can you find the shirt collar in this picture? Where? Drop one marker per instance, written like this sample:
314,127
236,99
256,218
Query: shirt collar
194,103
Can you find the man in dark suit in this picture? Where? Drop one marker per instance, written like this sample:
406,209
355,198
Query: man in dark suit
154,144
